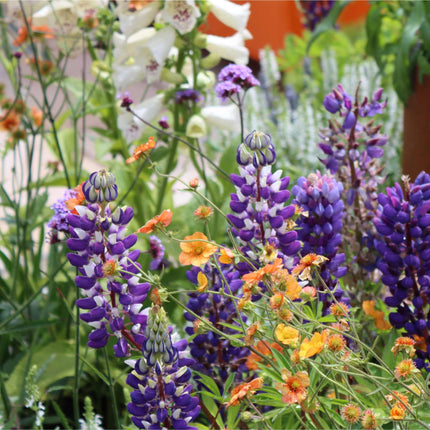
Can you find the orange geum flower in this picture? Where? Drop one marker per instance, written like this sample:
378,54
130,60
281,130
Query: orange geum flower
9,122
39,32
250,332
276,300
194,183
287,335
336,342
368,420
399,399
405,368
244,390
378,316
37,115
163,219
404,344
140,150
253,278
285,314
339,310
263,348
397,413
203,212
196,252
78,200
303,269
309,348
294,390
351,413
227,256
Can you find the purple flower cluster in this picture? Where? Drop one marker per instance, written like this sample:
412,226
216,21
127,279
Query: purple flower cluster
353,150
162,395
215,356
352,141
319,227
315,11
234,79
188,95
58,222
100,187
260,210
107,267
257,149
403,221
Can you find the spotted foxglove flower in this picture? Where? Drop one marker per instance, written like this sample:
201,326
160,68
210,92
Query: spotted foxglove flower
230,48
232,15
180,14
152,54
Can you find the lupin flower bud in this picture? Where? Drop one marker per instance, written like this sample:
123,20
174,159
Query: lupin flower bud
158,344
100,187
258,148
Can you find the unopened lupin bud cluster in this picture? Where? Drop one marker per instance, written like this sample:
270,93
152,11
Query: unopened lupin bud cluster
100,187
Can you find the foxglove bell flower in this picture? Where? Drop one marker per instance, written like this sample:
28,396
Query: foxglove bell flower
230,48
232,15
162,395
403,221
181,15
319,227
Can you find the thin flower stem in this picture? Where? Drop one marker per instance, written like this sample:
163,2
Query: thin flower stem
112,391
263,420
76,412
173,136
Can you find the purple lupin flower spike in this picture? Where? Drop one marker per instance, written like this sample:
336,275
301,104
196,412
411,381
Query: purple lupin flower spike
162,395
102,252
403,221
319,228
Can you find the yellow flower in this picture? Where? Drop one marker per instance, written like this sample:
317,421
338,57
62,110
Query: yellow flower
197,252
287,335
202,281
397,413
227,256
309,348
378,316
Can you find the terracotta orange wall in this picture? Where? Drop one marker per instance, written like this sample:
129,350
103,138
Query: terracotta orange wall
270,20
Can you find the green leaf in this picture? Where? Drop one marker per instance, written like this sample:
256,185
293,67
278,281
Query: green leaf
281,359
64,422
28,326
213,408
327,23
404,65
5,397
209,384
55,361
95,370
373,30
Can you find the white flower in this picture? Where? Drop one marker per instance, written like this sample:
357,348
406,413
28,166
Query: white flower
148,110
126,75
131,22
40,413
180,14
152,54
223,117
230,48
126,47
232,15
196,127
